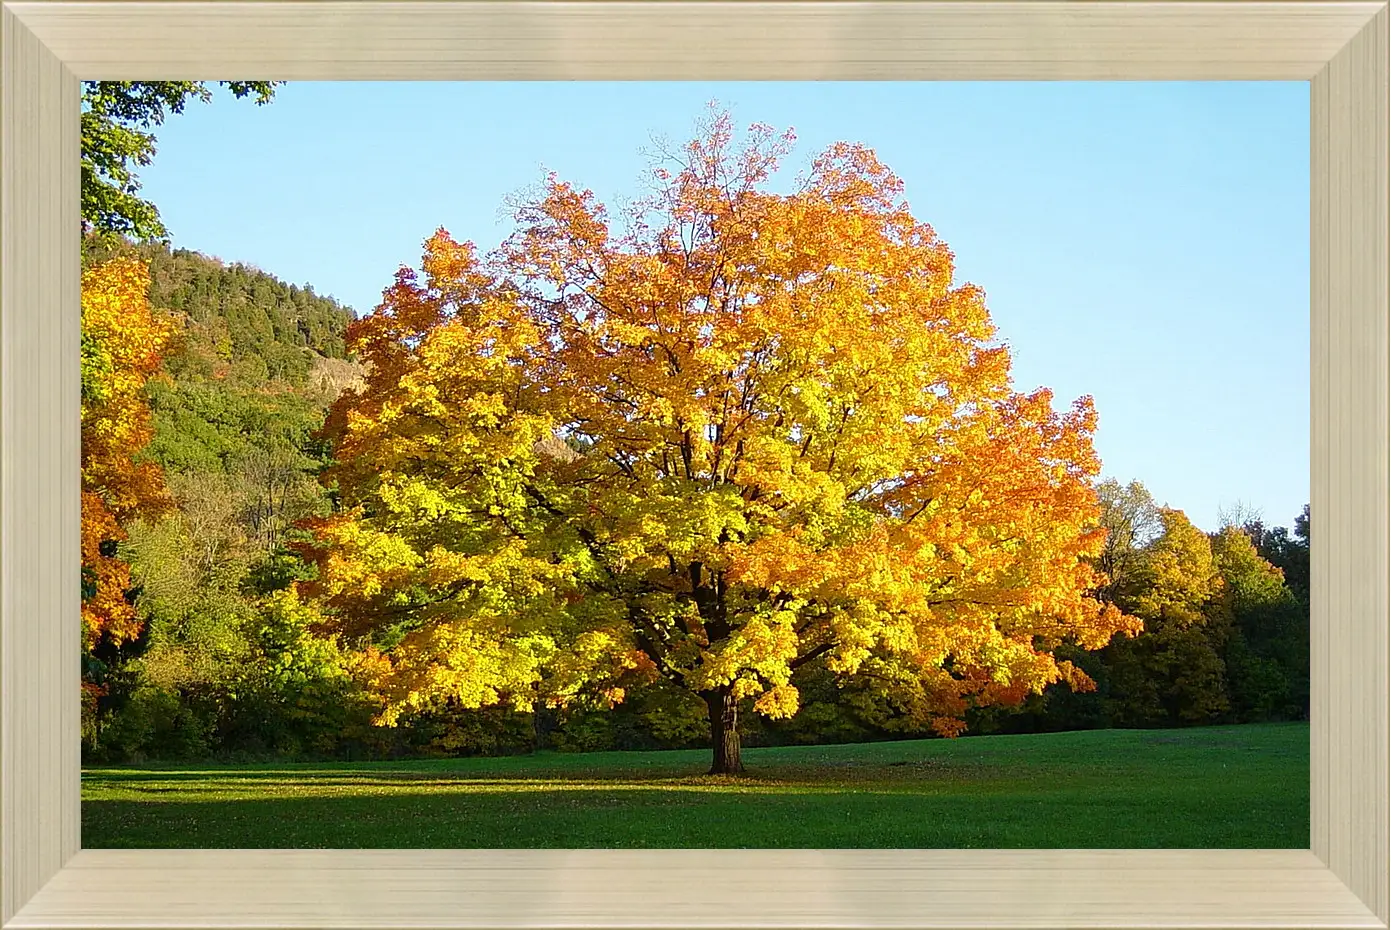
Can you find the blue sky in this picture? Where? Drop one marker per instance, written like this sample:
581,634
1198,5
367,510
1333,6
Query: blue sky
1146,244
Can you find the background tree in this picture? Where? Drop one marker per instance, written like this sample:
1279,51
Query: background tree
1267,655
1289,552
1174,671
121,344
749,432
117,117
1243,515
1132,522
122,341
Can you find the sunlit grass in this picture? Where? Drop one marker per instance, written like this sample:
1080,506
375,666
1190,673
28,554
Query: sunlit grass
1244,786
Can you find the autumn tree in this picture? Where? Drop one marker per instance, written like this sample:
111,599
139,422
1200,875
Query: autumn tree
121,344
1289,553
120,349
1173,672
1130,517
741,432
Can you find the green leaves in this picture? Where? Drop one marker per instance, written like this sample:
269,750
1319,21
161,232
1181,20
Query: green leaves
117,117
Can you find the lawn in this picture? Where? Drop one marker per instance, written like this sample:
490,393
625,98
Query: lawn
1239,786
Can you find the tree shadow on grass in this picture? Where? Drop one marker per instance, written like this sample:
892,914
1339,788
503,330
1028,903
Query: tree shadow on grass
1131,789
817,778
654,815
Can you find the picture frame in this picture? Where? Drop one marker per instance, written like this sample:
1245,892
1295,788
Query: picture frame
1341,48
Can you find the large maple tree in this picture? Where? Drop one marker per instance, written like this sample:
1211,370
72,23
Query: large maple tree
738,432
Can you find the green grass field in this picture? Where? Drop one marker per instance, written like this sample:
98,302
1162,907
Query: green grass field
1241,786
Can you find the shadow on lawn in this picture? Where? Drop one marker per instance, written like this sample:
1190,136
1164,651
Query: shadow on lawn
223,786
675,777
390,812
667,817
1124,789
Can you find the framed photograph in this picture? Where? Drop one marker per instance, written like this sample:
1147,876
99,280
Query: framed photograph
50,47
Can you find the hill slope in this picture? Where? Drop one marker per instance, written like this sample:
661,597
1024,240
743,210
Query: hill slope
242,392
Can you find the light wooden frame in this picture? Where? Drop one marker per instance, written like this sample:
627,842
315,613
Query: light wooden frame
1340,47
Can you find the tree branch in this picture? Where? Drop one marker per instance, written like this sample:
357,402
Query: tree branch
816,653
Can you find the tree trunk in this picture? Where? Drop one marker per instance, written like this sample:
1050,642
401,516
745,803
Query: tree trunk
724,732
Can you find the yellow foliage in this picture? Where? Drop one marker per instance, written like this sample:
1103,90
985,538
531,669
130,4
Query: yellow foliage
778,703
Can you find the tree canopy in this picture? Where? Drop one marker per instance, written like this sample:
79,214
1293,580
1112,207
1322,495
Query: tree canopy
742,432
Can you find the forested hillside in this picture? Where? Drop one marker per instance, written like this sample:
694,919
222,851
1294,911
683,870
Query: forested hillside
236,314
248,371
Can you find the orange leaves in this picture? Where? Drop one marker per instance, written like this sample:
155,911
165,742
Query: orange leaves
105,609
852,178
122,342
1076,679
116,314
949,726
